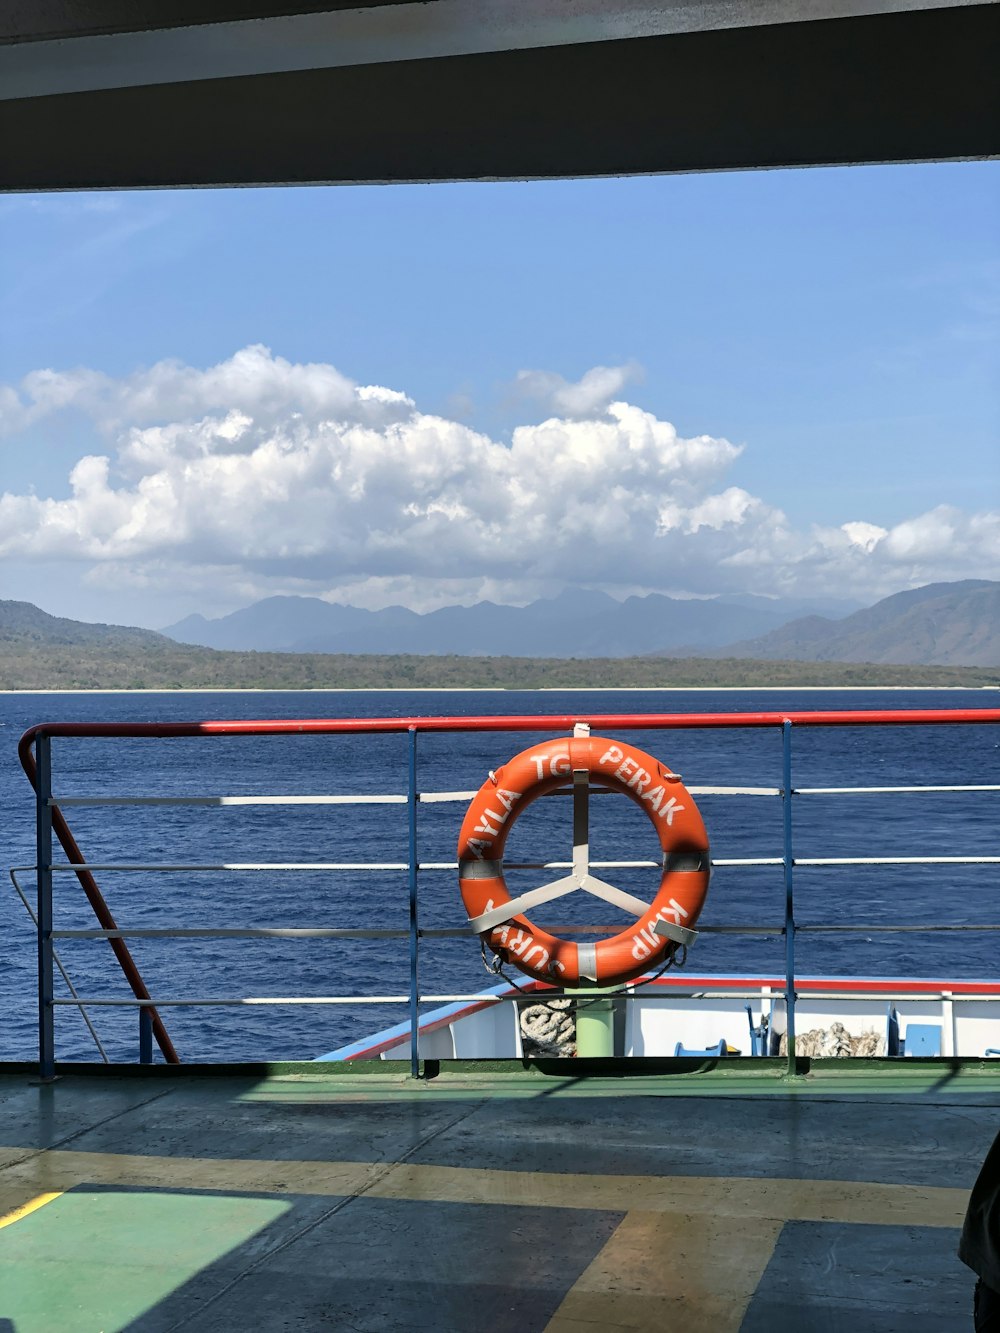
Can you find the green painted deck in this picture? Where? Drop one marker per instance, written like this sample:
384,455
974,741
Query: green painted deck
312,1197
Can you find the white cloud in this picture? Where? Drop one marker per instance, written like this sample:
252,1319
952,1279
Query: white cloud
578,398
253,381
864,535
258,476
932,536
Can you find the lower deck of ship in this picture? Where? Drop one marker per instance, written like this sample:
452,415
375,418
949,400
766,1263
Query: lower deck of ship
312,1197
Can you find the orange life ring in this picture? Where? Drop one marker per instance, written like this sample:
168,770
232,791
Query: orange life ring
544,768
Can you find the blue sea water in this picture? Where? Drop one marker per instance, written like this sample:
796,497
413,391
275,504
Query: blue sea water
861,825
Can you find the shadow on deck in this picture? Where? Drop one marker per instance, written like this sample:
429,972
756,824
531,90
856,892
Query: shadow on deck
486,1196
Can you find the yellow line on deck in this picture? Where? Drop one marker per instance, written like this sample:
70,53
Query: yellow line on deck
32,1206
764,1197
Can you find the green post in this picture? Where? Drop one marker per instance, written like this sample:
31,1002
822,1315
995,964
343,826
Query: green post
595,1024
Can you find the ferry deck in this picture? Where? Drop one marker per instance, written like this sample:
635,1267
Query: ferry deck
506,1197
549,1195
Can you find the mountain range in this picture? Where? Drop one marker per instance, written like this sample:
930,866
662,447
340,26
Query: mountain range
948,624
944,624
940,625
891,643
576,623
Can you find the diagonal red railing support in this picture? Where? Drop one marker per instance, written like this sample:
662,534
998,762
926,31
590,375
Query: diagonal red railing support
96,899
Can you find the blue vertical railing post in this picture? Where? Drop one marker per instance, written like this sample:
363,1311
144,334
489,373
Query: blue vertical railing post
145,1035
43,863
789,864
411,810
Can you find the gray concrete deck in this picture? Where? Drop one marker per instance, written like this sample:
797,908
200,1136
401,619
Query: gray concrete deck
309,1198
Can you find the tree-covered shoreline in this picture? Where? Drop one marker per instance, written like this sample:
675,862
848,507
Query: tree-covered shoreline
85,667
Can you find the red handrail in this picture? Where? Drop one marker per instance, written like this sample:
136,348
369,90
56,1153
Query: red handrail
521,722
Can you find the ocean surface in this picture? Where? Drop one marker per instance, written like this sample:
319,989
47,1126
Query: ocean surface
862,825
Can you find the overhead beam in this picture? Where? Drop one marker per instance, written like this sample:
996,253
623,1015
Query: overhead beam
223,43
910,85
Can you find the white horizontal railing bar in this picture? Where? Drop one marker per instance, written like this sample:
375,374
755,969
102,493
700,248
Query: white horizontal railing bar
609,865
570,928
526,865
132,1002
443,933
568,865
550,865
777,929
426,798
775,993
531,996
642,991
639,990
636,989
461,932
237,865
837,791
437,797
226,800
232,932
896,861
885,929
747,861
734,791
433,796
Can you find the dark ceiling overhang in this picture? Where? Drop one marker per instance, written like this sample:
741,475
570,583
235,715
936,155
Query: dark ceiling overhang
242,93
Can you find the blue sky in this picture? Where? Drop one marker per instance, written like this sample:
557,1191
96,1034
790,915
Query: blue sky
835,334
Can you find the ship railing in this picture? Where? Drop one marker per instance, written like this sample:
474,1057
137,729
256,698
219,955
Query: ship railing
35,752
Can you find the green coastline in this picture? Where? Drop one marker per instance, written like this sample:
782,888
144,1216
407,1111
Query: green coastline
55,666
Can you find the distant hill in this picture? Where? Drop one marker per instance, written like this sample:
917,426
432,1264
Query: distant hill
25,623
944,624
577,623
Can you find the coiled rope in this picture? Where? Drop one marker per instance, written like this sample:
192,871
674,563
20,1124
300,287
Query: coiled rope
548,1029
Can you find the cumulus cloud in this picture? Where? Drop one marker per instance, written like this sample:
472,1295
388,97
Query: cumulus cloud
258,476
254,381
864,535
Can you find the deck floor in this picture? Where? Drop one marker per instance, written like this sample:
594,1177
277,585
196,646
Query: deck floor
312,1199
